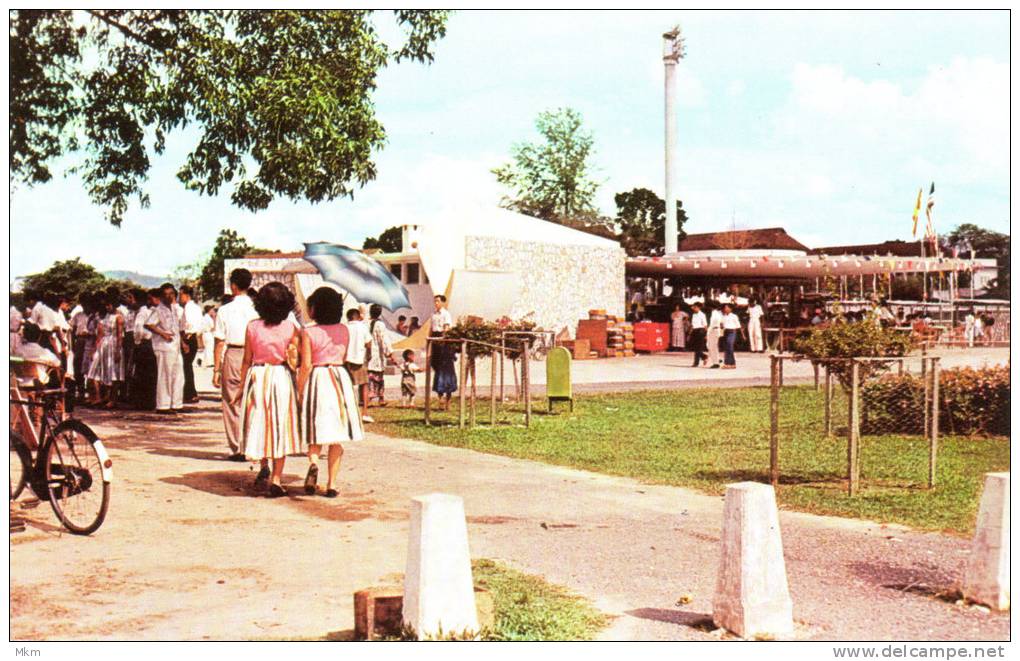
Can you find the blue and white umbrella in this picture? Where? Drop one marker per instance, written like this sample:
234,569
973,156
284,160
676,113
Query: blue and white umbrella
357,273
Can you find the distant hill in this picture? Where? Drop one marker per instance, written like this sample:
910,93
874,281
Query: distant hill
146,281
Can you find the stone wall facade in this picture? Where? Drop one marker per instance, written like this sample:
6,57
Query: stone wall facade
263,271
559,283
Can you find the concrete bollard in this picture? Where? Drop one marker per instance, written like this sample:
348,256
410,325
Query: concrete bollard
986,578
752,598
439,597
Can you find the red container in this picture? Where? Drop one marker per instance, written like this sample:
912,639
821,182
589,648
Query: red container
651,337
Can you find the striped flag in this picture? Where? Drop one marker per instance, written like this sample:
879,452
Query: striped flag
929,212
917,210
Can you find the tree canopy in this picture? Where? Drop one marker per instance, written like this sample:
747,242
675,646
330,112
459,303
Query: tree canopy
641,221
391,240
552,178
281,99
229,245
71,278
987,244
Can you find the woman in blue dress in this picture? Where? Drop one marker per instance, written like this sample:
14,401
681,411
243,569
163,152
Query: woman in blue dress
442,360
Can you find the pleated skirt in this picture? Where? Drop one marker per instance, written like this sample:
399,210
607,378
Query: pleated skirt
107,363
269,414
329,410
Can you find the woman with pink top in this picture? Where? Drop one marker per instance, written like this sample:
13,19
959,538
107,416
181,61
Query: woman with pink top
329,410
269,415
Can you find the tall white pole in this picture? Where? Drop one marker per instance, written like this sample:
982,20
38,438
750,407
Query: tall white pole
672,51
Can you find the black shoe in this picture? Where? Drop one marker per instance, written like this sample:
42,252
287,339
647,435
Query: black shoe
311,479
262,479
714,367
237,456
276,491
332,493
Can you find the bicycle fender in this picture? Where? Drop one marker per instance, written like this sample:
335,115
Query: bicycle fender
104,461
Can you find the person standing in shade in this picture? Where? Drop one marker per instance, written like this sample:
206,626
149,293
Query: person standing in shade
83,343
441,318
131,302
208,342
379,354
679,327
699,326
228,353
107,368
143,388
355,361
730,326
329,413
17,319
714,338
268,397
402,325
191,326
754,329
165,326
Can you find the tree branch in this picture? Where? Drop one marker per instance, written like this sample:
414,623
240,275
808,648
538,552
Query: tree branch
125,30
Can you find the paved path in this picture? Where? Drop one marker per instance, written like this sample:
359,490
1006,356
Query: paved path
188,553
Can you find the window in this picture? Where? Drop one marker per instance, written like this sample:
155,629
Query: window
395,270
412,274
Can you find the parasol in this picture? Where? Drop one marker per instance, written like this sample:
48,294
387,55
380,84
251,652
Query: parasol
357,273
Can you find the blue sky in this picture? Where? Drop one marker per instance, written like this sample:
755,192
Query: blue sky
825,123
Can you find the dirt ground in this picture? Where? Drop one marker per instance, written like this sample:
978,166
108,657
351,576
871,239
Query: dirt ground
187,552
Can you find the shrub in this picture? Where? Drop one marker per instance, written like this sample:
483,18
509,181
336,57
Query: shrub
971,401
479,330
842,339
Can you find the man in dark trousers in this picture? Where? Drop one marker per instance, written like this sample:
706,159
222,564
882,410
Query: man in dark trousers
191,326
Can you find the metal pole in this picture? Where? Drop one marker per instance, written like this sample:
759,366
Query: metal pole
428,381
463,381
492,391
853,467
933,443
672,51
774,420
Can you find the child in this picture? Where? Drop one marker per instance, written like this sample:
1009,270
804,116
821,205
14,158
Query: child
408,389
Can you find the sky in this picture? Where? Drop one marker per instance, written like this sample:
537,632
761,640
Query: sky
824,123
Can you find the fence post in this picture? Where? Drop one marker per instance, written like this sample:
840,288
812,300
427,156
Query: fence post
526,383
854,432
474,389
428,381
774,423
463,381
492,391
502,366
780,373
828,401
933,442
901,367
927,398
814,366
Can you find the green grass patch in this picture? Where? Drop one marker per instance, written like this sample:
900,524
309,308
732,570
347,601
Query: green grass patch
707,438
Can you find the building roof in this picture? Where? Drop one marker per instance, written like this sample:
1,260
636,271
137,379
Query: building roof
897,248
770,238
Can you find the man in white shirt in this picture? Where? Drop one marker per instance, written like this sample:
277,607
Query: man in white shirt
714,337
228,353
17,319
357,345
143,387
165,327
754,329
191,326
441,318
48,316
699,326
730,326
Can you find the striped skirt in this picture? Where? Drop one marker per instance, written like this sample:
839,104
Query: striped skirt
269,415
329,410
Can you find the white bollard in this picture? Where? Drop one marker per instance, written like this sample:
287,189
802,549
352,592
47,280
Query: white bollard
439,595
986,578
752,598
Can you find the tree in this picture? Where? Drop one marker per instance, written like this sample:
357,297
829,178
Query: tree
986,244
551,179
281,99
69,278
391,240
641,222
229,245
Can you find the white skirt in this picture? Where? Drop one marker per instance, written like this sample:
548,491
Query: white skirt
269,416
329,410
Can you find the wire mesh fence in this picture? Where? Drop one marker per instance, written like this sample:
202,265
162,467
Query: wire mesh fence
856,404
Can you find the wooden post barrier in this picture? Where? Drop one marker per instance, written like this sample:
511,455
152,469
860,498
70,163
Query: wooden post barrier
828,401
502,367
774,423
814,366
526,383
927,398
463,381
428,381
474,389
933,441
492,391
854,435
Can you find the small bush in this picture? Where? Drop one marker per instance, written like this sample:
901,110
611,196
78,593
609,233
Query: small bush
971,401
843,339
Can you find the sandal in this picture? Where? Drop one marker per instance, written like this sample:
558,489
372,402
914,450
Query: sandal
311,479
332,493
275,491
262,479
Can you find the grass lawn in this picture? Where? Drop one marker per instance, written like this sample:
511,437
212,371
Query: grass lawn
707,438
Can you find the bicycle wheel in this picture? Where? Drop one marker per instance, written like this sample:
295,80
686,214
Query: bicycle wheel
74,477
21,465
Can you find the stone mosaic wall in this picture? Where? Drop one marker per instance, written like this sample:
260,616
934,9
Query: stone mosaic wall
263,271
558,283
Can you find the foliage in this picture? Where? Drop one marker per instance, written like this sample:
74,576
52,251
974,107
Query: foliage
551,179
641,221
706,438
840,340
281,99
389,241
971,401
529,608
229,245
69,278
476,329
985,243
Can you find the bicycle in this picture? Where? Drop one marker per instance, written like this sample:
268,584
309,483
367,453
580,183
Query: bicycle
71,467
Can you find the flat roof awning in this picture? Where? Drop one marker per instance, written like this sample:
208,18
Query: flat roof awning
757,268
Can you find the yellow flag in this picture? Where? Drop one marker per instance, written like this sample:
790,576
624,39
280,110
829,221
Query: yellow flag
917,210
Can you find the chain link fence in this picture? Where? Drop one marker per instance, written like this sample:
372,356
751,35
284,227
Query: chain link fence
877,400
